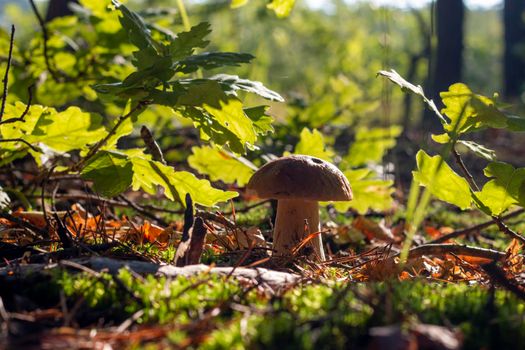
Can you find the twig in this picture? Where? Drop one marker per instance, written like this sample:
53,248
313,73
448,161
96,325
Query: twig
129,321
151,144
141,210
6,76
497,275
112,132
184,245
63,232
499,222
34,148
217,218
198,238
247,208
464,169
22,117
41,232
65,253
45,36
475,228
459,249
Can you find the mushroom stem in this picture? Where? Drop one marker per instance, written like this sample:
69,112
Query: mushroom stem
290,228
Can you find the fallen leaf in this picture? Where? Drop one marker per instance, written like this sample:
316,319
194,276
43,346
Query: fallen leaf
372,229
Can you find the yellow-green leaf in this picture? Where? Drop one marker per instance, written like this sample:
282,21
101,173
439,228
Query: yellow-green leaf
238,3
505,189
369,191
468,111
219,165
435,174
371,145
148,174
226,110
312,143
282,8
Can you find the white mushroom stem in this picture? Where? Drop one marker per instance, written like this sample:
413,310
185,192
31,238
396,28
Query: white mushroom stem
290,228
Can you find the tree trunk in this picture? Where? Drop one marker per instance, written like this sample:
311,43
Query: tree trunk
446,68
58,8
514,56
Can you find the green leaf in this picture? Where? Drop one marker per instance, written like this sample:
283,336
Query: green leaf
114,172
468,111
505,189
111,173
232,83
185,43
148,174
68,130
22,129
441,138
312,143
138,33
282,8
211,60
369,191
479,150
262,122
63,131
226,110
124,129
515,123
435,174
219,165
210,129
4,199
476,148
371,145
406,86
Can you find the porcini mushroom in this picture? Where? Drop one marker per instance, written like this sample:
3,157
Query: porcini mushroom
298,182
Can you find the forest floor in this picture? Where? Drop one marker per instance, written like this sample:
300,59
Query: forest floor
78,280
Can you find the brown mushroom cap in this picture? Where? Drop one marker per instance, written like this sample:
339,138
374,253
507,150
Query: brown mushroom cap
300,177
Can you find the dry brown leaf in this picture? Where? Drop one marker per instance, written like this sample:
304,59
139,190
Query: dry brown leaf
372,229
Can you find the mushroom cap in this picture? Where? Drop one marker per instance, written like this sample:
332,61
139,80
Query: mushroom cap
300,177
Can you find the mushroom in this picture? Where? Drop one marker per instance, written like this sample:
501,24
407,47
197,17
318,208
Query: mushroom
298,182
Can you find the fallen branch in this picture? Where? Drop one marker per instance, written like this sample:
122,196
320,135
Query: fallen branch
275,279
459,249
475,228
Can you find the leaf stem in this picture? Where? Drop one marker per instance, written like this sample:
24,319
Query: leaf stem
475,228
497,220
184,15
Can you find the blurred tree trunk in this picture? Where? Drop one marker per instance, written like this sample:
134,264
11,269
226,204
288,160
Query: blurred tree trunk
514,56
445,70
58,8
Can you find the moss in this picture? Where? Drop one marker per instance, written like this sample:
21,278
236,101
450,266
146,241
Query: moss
307,316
